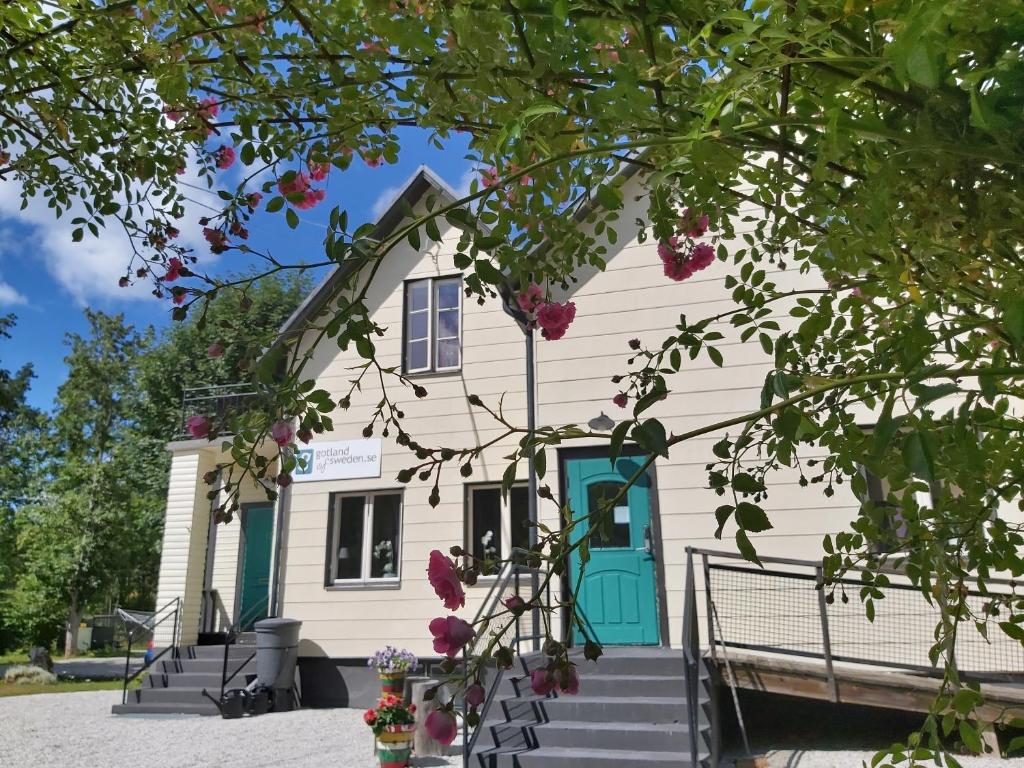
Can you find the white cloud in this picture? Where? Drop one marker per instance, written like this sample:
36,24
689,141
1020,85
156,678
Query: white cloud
384,201
89,270
9,296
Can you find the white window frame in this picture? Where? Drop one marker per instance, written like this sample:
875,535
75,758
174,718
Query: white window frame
432,309
505,519
369,497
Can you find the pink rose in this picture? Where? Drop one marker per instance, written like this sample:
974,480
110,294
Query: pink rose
693,224
208,108
475,695
198,426
450,634
123,282
224,157
299,183
174,266
441,726
318,171
620,399
178,296
530,297
445,581
554,319
542,682
282,433
217,239
516,604
668,249
489,177
284,479
311,197
215,350
373,161
703,256
568,680
253,199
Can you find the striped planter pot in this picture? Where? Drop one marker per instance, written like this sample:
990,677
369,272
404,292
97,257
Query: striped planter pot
394,746
393,682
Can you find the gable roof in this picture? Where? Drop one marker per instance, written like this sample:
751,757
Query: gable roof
422,181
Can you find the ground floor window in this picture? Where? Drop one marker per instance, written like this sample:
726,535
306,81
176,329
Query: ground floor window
495,526
364,536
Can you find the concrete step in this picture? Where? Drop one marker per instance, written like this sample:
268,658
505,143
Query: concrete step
616,686
206,680
621,736
217,652
597,709
150,708
175,695
213,666
559,757
622,662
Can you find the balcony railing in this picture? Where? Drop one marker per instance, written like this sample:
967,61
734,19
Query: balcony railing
218,403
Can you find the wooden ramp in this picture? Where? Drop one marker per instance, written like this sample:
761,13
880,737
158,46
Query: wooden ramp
858,684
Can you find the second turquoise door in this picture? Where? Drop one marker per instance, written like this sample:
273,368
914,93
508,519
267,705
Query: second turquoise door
618,595
257,532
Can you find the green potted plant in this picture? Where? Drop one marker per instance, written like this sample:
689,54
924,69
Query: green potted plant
392,666
393,723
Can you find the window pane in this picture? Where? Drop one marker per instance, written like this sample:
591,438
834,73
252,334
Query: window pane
418,325
618,528
448,293
447,353
386,538
519,511
448,324
485,531
419,293
350,538
417,357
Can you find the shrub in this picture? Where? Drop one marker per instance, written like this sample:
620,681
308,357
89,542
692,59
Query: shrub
23,674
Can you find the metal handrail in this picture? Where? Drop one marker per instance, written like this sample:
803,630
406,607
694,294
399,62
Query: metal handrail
691,656
232,635
509,573
173,647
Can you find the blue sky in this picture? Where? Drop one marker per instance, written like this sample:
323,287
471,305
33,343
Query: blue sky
47,280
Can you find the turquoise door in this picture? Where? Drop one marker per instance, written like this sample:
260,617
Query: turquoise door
618,595
257,531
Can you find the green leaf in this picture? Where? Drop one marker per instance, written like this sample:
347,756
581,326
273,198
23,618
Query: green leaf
746,483
488,272
275,204
751,517
722,515
746,548
659,392
970,737
650,435
618,437
540,463
1013,319
919,456
1016,631
722,449
921,65
292,218
715,355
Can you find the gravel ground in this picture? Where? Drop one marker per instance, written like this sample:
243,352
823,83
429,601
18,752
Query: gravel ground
798,758
77,729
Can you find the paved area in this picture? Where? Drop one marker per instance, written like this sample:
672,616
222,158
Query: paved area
77,729
87,669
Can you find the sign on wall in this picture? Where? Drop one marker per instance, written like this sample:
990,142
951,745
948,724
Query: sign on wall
341,460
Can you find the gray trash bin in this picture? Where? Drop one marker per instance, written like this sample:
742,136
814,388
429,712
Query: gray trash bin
277,651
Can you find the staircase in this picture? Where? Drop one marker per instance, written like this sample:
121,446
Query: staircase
175,686
630,713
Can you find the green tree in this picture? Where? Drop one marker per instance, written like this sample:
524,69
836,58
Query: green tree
75,540
21,429
875,146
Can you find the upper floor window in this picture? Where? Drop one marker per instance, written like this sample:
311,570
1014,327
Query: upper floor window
433,325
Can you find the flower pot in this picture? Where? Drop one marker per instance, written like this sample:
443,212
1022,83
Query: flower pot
394,745
393,682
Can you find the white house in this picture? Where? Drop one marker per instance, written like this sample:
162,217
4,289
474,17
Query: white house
345,548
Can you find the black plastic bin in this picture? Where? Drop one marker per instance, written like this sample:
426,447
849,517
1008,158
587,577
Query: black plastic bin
277,651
